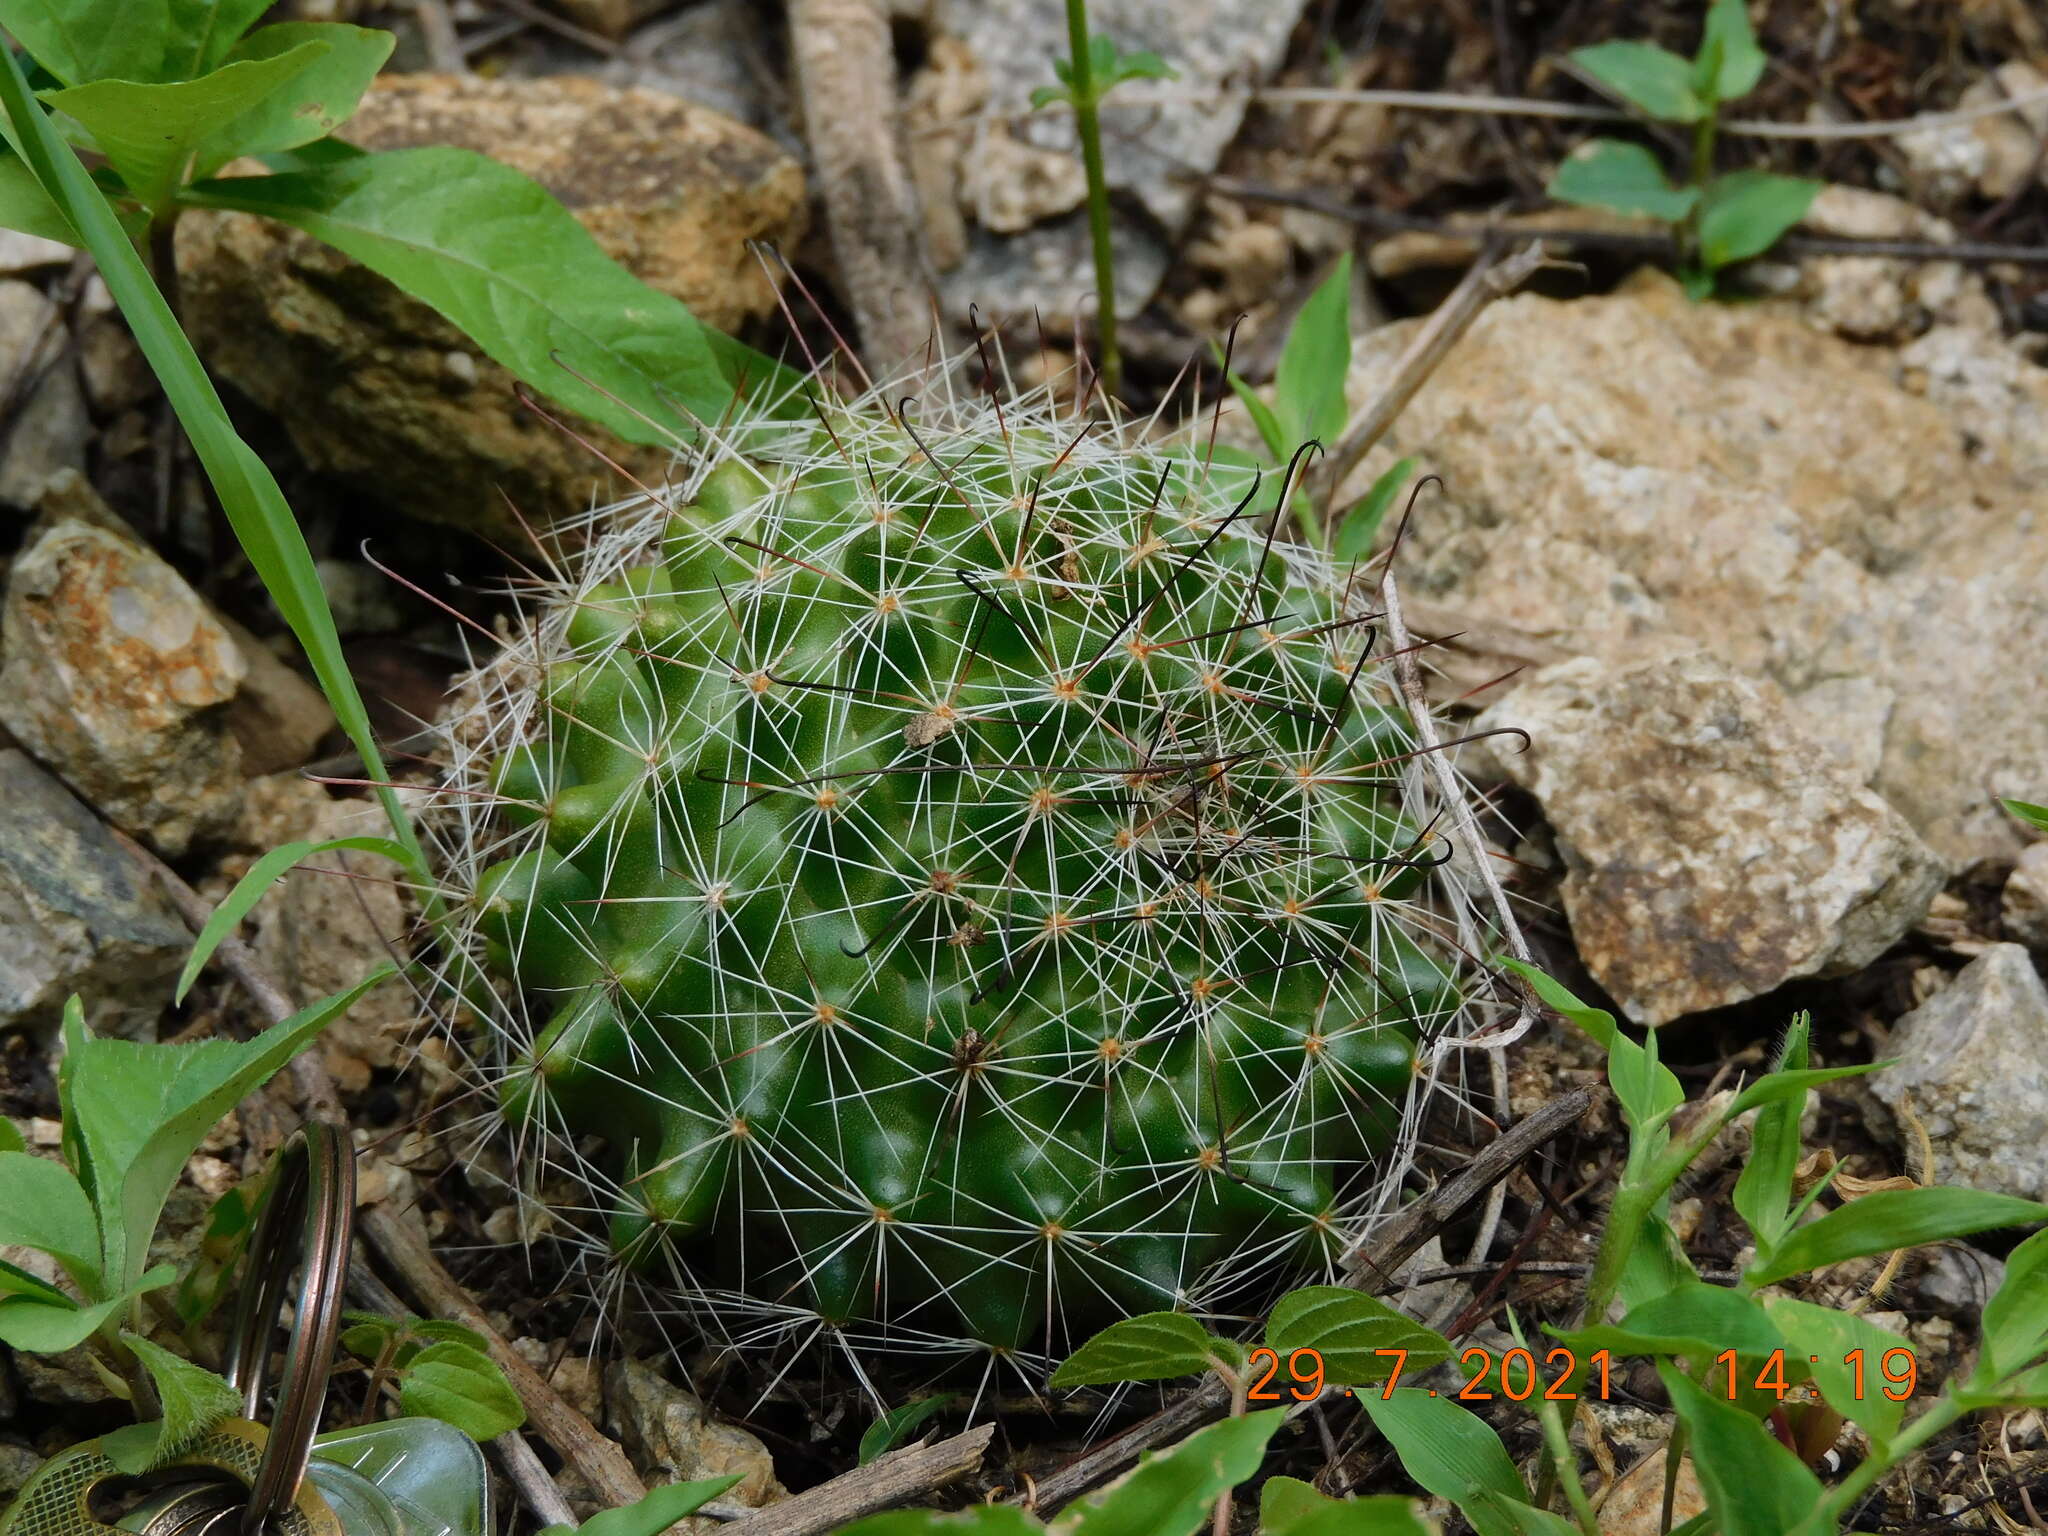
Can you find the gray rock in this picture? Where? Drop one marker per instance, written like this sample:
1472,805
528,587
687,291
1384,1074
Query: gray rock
1713,851
117,675
22,252
50,429
2023,906
18,1463
1973,1060
1628,470
671,1437
77,913
1162,138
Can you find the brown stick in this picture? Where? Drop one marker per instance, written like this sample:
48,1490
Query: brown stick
846,71
1487,280
887,1481
1395,1243
402,1244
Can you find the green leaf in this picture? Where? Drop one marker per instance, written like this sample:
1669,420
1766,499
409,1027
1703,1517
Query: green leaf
149,133
193,1399
2015,1321
16,1281
1729,62
890,1430
497,256
1656,1264
1764,1189
1823,1339
1696,1320
1889,1219
78,40
1652,78
653,1512
141,1110
2029,1389
1308,383
38,1326
1648,1092
25,206
1173,1492
1290,1507
1142,65
1744,212
313,104
204,33
1347,1329
1271,432
212,1268
250,889
1151,1347
46,1208
2035,816
255,508
463,1386
367,1333
977,1520
1046,95
1452,1453
1612,173
1754,1485
1361,526
11,1139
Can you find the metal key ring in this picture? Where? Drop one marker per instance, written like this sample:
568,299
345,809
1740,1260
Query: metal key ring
307,1210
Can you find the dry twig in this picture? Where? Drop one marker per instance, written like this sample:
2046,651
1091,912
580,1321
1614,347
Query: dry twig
881,1484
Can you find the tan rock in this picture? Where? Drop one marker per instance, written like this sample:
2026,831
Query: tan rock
1635,1505
2023,905
118,675
377,388
672,1436
1712,850
1624,470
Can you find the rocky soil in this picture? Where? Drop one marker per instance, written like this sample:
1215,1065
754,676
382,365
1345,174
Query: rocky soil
1765,583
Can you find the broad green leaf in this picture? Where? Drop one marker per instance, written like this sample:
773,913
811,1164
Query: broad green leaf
1889,1219
250,889
11,1139
2035,816
1452,1453
1729,63
1657,1264
1308,383
1151,1347
1290,1507
255,507
652,1513
1361,526
460,1385
1755,1486
16,1281
2029,1389
1648,1092
1653,78
45,1207
368,1333
2016,1318
312,105
1347,1329
497,256
1744,212
25,206
141,1110
38,1326
1763,1190
890,1430
1612,173
1824,1339
149,133
1696,1320
1527,1519
193,1399
203,34
79,40
976,1520
1173,1492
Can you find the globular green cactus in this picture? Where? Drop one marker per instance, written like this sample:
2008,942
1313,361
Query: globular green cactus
959,873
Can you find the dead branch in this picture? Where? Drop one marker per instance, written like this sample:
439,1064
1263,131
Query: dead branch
882,1484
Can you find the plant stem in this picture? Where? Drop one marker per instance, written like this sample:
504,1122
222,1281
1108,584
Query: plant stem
1703,135
1088,125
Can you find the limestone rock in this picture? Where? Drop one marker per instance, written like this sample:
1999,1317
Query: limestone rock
117,676
672,1437
1633,468
378,389
1712,850
77,913
50,427
1973,1059
2023,906
276,715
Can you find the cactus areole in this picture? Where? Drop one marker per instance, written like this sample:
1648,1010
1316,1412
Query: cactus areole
954,879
